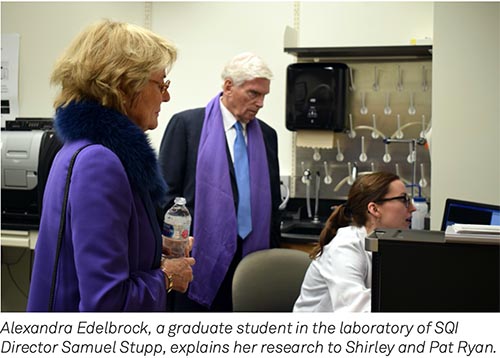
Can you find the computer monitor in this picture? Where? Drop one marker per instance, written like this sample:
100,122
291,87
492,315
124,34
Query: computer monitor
468,212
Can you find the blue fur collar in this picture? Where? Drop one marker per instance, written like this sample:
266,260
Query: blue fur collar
102,125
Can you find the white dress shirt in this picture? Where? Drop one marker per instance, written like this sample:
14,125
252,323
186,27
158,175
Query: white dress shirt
341,278
229,120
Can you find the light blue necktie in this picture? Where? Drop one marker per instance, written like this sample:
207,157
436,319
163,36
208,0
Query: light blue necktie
243,181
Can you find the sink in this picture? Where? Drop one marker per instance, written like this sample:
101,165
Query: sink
301,230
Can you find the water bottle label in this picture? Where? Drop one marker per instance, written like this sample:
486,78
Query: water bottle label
175,231
168,230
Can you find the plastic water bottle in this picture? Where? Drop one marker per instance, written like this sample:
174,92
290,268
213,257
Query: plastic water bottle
176,225
418,216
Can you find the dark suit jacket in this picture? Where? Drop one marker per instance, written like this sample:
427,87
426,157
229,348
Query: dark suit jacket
179,153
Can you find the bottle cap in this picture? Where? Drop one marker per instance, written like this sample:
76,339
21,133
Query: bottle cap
419,199
180,200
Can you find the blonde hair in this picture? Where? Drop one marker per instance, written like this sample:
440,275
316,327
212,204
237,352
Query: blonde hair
108,62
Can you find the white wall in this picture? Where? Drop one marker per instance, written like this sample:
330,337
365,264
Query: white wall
46,29
324,24
466,104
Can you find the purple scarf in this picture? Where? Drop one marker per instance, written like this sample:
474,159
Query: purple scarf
215,227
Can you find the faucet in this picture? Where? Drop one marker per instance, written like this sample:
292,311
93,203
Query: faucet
316,199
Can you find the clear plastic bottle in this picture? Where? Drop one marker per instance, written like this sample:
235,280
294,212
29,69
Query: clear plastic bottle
418,216
176,225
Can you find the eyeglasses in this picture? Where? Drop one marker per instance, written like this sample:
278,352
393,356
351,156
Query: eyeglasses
405,199
162,85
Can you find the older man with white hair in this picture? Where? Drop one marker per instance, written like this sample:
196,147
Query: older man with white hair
224,161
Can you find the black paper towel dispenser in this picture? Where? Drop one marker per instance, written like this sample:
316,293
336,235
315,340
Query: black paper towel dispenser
316,96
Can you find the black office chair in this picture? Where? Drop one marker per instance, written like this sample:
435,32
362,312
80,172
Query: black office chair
269,280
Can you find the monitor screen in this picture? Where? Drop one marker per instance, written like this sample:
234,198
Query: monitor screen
467,212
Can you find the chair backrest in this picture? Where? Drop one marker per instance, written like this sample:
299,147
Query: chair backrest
269,280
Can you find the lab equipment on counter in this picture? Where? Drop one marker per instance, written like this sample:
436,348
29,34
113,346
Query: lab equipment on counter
29,146
418,216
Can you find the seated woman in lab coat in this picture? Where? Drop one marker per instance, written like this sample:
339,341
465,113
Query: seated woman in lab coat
339,277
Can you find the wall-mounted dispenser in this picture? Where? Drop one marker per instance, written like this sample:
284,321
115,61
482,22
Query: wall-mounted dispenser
316,96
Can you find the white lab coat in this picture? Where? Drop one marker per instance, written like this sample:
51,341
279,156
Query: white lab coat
341,278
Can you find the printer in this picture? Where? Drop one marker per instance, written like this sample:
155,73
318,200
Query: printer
28,149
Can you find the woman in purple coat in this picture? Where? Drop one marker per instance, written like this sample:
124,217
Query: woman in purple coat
112,79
